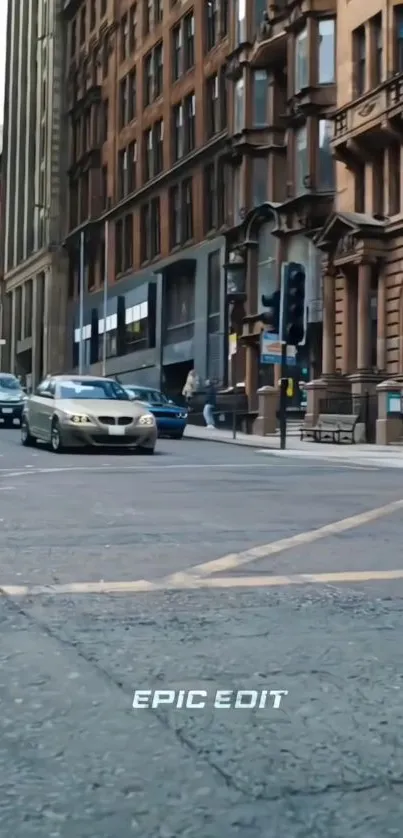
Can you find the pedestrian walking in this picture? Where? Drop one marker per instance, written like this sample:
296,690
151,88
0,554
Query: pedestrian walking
191,385
210,404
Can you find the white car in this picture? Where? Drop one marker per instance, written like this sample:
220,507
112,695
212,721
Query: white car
80,411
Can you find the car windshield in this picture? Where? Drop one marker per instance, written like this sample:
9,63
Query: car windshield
96,389
150,396
8,383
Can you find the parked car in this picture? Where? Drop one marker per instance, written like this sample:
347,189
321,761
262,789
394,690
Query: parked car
171,418
12,399
81,410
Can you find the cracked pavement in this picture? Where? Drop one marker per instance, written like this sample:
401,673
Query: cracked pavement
76,761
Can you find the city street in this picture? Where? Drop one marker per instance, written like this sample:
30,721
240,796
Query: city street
122,572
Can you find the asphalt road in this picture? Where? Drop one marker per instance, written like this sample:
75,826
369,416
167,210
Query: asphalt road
77,761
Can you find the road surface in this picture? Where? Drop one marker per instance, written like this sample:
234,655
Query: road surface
123,573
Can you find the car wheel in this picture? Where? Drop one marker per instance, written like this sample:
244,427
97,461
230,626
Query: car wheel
179,435
56,442
146,451
26,439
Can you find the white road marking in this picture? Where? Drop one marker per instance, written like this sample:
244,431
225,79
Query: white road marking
140,467
335,461
185,583
233,560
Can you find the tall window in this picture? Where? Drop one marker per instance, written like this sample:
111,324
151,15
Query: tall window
124,244
239,106
187,209
189,108
210,197
327,51
212,23
359,188
240,21
181,213
359,60
189,41
176,52
377,41
132,95
326,181
301,61
260,98
301,160
378,183
175,220
398,29
133,27
124,37
394,179
178,132
237,194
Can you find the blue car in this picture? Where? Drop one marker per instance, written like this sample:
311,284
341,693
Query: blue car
171,418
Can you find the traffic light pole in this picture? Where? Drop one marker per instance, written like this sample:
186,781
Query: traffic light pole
283,367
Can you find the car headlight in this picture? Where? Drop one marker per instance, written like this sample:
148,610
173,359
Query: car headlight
182,416
146,419
78,418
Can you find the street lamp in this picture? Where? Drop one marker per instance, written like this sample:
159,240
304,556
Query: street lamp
235,296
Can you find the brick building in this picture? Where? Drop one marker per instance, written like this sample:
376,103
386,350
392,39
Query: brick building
363,239
147,123
282,90
35,270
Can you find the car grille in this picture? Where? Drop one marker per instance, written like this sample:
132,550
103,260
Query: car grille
115,420
166,414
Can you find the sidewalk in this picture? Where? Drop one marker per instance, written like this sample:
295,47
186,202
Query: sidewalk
383,456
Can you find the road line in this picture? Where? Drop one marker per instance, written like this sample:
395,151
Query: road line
186,582
234,560
140,467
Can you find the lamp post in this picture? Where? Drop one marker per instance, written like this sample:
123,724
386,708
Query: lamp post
235,296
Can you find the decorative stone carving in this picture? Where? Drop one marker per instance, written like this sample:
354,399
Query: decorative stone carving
346,246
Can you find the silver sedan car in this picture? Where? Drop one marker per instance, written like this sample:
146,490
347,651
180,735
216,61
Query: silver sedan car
79,411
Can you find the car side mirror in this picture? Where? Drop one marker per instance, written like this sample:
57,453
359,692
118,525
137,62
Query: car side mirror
46,395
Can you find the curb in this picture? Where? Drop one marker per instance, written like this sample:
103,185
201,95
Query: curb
226,441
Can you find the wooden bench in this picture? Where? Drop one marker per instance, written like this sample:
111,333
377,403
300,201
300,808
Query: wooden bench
335,427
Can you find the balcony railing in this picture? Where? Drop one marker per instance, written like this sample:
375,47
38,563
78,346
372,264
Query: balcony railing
368,111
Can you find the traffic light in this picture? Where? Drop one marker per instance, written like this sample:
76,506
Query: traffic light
271,317
294,304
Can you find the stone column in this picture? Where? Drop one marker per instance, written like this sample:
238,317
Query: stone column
349,358
13,338
36,331
363,318
381,336
329,312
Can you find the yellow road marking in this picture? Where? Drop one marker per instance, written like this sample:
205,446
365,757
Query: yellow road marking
234,560
186,582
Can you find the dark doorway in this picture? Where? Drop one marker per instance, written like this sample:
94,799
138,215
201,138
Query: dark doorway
174,378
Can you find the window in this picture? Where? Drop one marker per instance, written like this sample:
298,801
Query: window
301,160
132,96
132,27
301,61
189,41
176,52
145,233
150,230
394,179
181,213
359,188
240,21
327,51
210,197
214,283
180,307
237,194
359,60
175,221
153,74
132,166
104,118
398,29
122,174
136,327
124,37
212,23
124,244
377,38
147,16
260,9
158,11
178,133
187,209
123,102
260,172
378,183
153,150
105,57
216,104
189,109
260,98
326,173
104,7
239,106
104,186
